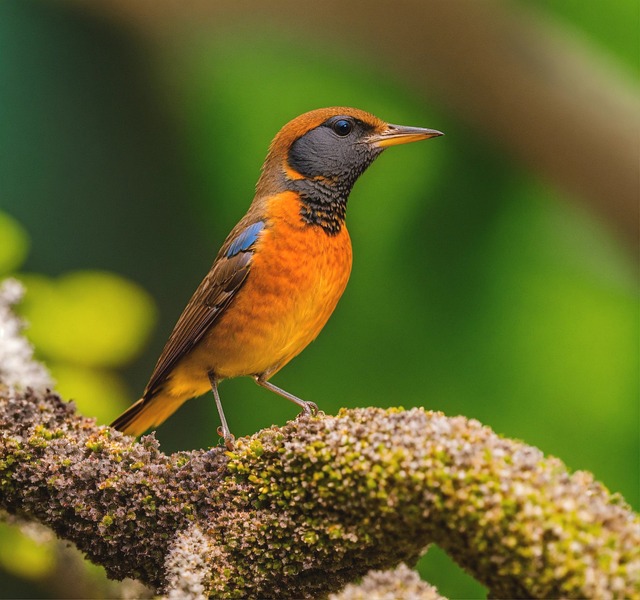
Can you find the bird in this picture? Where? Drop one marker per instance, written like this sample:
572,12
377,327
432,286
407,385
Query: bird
280,272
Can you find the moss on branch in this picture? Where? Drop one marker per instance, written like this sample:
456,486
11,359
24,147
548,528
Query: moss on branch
300,511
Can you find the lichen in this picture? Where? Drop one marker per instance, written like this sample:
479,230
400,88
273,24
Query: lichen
400,583
186,566
18,368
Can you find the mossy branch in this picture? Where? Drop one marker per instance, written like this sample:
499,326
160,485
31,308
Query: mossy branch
301,510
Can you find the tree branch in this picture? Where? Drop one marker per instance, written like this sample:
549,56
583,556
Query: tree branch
300,511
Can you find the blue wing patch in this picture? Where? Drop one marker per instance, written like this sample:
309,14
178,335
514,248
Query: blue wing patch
245,240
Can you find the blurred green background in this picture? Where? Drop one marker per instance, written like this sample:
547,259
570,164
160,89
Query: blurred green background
130,144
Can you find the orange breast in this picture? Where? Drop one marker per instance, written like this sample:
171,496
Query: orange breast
297,276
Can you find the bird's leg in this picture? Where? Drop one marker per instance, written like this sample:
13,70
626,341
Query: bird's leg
309,408
223,430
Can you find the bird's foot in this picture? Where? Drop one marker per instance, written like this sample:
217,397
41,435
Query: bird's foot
309,408
229,438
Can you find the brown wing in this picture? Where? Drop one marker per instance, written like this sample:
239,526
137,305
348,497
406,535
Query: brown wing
213,296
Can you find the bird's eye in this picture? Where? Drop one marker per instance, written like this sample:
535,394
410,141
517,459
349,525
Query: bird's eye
343,127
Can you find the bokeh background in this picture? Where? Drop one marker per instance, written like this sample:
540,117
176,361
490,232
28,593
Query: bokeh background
495,270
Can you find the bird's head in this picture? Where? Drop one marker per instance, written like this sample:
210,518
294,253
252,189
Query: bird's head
320,154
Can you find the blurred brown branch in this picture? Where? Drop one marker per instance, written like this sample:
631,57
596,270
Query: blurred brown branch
548,97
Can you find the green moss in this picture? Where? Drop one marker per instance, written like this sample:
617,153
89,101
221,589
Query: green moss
106,521
95,445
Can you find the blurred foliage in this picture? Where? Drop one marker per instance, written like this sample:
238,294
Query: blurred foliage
615,31
88,318
477,289
24,556
15,243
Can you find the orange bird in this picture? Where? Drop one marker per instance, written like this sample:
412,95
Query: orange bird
279,273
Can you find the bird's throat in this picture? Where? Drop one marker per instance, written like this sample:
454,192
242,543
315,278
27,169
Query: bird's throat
323,204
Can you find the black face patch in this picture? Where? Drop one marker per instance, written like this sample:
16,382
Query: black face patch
334,150
330,158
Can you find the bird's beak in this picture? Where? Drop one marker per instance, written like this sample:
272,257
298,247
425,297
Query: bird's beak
392,135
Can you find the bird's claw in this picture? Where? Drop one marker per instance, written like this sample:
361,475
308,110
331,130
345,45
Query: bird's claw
310,408
229,438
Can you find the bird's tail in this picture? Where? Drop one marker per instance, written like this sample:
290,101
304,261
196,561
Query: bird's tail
147,413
